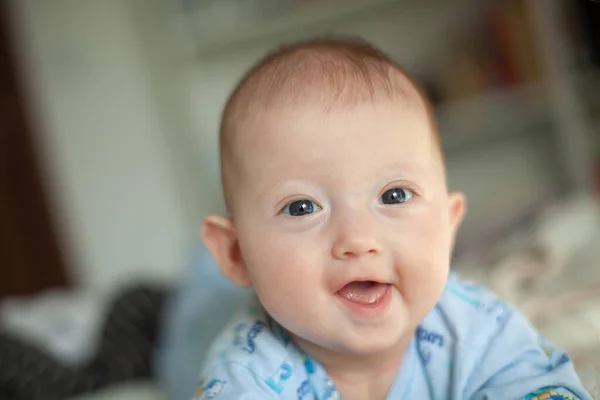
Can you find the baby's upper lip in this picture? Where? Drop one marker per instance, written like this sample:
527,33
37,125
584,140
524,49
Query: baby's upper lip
339,286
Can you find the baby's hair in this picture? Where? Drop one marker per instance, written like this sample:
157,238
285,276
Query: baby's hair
330,72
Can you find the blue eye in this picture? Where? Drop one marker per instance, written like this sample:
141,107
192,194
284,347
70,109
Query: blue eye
396,196
300,208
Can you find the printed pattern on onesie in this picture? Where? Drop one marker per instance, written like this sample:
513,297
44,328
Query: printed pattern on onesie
254,359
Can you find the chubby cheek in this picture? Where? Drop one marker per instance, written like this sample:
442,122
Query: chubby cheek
285,269
421,261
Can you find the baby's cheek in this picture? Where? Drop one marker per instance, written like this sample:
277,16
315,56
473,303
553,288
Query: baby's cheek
288,280
422,266
283,269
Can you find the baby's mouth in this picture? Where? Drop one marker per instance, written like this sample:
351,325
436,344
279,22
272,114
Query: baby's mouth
364,292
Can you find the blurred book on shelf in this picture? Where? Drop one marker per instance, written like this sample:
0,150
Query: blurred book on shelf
499,54
583,27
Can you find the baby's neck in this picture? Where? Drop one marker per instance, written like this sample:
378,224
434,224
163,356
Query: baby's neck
360,376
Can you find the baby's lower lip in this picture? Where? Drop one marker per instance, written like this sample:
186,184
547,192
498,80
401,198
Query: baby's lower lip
369,301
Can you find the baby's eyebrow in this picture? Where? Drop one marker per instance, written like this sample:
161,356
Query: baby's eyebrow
275,188
406,169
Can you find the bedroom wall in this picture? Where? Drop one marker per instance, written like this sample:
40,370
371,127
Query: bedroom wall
104,149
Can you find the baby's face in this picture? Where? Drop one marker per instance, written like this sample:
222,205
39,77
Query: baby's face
344,222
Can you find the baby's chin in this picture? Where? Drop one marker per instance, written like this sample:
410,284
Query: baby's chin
372,344
347,343
351,339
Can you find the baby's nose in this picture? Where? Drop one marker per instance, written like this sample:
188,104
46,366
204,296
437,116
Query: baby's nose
355,246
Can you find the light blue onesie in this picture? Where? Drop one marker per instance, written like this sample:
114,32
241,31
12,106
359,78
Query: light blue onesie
471,346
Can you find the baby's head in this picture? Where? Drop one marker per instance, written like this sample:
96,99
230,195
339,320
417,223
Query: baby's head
334,178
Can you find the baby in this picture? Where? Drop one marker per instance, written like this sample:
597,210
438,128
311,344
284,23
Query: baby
342,223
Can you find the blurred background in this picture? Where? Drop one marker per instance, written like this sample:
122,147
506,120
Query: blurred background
108,162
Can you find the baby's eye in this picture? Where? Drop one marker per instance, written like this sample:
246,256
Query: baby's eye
396,196
301,207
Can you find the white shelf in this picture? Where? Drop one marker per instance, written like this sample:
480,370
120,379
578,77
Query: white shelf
317,14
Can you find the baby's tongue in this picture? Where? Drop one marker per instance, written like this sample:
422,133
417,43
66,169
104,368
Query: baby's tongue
365,292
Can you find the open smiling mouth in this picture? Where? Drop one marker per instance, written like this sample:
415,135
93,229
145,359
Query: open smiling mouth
366,298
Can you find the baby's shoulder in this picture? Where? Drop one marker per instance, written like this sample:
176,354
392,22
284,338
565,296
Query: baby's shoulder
251,353
489,349
468,312
251,339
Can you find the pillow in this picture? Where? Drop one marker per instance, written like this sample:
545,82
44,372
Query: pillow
197,312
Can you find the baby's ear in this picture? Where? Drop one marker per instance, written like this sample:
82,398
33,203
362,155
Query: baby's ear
457,208
220,237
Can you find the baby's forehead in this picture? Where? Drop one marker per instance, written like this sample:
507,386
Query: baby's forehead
337,151
273,127
268,122
367,129
321,97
